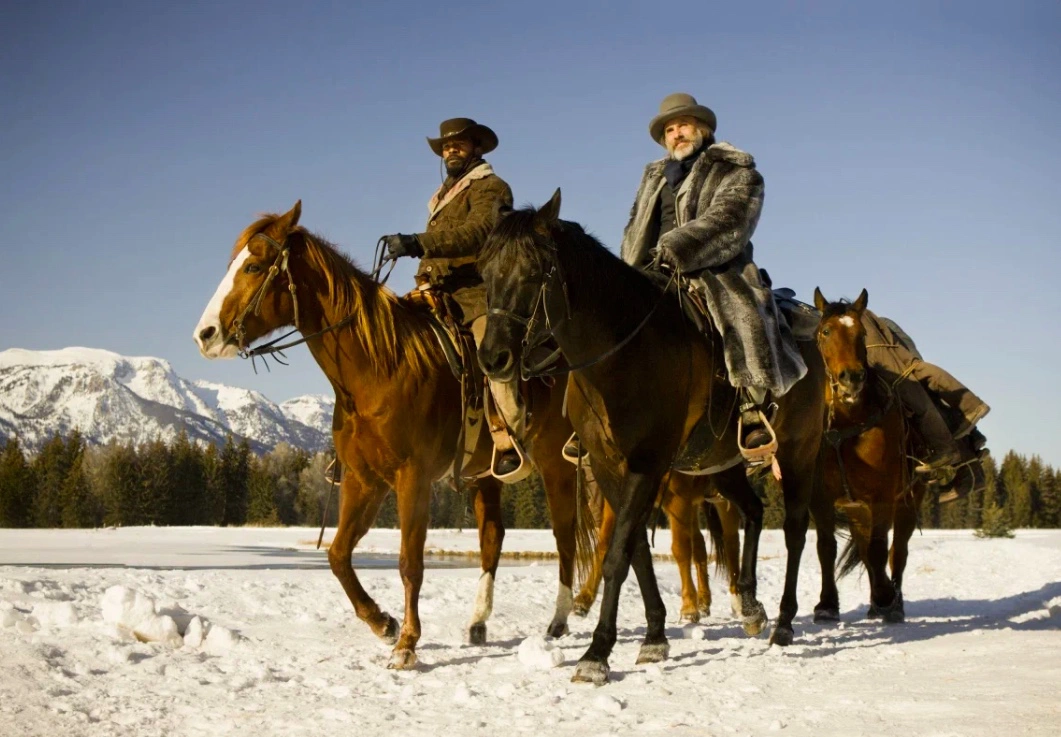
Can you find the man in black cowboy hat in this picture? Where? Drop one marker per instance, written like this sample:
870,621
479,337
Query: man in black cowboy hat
696,210
461,214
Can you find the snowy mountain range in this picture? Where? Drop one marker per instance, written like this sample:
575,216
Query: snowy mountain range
111,397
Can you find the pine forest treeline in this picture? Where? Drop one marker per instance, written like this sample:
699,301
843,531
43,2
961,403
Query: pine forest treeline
70,483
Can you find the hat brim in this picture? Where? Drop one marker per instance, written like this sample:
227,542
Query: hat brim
700,112
485,138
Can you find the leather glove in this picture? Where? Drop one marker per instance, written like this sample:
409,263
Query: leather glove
399,245
659,259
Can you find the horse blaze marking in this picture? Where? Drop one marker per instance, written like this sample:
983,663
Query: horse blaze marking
847,321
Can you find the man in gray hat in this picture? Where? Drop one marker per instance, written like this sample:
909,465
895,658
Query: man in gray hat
461,214
696,210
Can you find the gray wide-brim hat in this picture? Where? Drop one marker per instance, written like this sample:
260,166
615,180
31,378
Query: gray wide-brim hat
485,138
678,104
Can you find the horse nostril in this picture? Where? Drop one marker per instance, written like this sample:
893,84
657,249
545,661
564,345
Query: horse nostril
499,362
207,333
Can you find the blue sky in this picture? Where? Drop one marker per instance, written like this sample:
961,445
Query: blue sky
907,148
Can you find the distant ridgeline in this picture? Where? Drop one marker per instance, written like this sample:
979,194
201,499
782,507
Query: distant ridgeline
108,397
71,483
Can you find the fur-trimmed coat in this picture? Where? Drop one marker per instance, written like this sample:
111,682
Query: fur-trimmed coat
717,207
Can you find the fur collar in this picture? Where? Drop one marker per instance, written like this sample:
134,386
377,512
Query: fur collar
721,151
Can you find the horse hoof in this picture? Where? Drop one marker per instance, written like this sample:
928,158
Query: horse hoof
735,607
874,612
755,622
590,671
557,629
692,617
477,634
826,615
581,608
391,631
894,616
705,612
653,652
402,660
782,636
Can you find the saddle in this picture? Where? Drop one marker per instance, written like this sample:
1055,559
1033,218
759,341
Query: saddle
458,346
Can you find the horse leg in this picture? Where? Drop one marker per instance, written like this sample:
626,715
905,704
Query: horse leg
637,494
905,524
797,519
733,485
827,610
654,648
882,590
588,594
678,513
414,496
559,479
491,535
360,497
703,576
731,519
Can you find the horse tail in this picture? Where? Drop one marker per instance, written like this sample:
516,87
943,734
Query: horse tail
849,558
586,526
717,535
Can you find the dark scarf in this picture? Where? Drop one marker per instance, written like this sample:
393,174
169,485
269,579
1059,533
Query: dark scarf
675,171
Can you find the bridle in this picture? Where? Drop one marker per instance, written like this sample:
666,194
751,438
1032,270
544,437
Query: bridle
281,263
533,338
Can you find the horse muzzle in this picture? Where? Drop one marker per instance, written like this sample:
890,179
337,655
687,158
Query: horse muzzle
212,343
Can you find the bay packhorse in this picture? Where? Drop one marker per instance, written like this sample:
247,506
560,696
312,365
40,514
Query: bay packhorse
398,411
642,377
867,466
681,499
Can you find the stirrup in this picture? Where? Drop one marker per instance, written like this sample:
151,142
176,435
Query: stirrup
762,455
580,451
524,470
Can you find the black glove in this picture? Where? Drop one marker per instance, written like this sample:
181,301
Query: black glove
402,245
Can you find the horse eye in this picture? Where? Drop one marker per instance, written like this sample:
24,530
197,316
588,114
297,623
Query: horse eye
252,269
825,332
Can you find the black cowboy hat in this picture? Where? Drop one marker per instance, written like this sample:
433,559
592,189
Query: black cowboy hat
485,138
677,105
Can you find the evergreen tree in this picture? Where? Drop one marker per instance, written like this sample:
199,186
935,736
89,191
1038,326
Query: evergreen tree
76,501
189,493
995,523
17,486
235,467
213,510
157,490
51,468
261,489
121,480
285,463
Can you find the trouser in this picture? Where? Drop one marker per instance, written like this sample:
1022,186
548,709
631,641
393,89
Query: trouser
928,419
506,398
946,387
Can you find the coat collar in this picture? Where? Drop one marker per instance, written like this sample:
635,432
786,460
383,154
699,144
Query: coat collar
721,151
440,200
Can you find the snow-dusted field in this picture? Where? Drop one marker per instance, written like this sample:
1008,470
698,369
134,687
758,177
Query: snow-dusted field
260,640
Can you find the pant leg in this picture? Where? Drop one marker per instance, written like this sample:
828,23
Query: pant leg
950,390
929,421
506,394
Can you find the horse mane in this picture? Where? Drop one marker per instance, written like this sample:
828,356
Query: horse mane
391,333
626,292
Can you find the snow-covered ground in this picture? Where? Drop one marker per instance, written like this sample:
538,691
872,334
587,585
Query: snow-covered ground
252,635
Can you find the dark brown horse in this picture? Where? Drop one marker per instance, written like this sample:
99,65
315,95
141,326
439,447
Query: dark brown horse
642,379
398,411
866,465
681,500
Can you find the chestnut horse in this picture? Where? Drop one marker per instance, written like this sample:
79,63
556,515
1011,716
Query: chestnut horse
642,377
867,463
398,411
682,498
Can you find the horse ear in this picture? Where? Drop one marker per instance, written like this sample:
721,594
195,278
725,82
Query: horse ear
859,305
819,300
550,211
289,219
